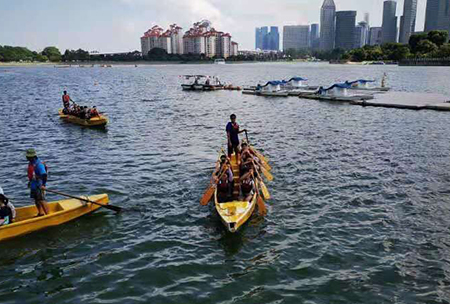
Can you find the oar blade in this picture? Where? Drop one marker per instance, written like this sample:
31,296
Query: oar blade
267,174
261,206
265,191
111,207
207,196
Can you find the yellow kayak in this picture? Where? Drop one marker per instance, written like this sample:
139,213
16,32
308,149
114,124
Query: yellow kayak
60,212
236,213
99,121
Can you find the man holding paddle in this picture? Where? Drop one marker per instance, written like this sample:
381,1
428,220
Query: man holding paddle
233,132
37,179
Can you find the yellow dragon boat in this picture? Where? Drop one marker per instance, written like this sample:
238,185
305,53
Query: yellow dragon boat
60,212
99,121
234,214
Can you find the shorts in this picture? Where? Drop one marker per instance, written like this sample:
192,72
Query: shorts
37,194
234,148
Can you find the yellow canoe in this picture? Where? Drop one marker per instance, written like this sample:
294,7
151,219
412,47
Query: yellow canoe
236,213
60,212
99,121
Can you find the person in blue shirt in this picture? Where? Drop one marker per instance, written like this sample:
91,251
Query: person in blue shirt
37,177
233,132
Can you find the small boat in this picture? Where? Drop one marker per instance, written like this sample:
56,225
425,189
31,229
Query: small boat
337,92
235,213
98,121
219,61
60,212
193,84
363,85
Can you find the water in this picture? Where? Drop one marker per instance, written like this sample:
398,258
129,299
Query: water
360,209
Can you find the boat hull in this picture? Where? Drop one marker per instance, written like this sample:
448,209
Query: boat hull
99,121
235,214
60,212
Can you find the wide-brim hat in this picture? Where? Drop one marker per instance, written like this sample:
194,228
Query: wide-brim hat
31,153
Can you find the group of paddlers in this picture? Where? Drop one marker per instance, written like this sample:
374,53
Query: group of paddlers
82,112
247,160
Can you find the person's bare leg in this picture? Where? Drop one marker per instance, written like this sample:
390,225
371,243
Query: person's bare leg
44,207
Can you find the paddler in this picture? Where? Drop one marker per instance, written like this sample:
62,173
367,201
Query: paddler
7,210
233,137
37,180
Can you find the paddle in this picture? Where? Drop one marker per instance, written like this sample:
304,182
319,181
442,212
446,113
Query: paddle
266,172
212,188
110,207
264,189
262,158
261,205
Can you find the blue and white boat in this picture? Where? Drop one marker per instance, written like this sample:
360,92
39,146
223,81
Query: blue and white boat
365,85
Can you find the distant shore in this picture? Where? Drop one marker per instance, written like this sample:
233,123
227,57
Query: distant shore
124,63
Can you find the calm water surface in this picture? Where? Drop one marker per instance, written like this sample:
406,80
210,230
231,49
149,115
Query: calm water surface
361,198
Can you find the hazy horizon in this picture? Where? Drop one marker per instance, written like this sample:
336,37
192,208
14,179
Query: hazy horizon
117,25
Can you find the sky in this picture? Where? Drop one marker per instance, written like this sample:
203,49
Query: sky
117,25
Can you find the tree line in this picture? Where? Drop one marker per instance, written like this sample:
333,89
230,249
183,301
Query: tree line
434,44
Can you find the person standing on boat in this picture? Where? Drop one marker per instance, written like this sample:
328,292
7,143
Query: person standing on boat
66,102
37,180
233,132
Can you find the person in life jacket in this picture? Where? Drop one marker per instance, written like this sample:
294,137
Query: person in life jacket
247,185
233,132
37,180
7,210
66,101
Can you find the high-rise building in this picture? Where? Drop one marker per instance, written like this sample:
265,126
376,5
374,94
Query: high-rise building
389,32
296,37
345,29
437,15
367,18
258,38
375,36
274,39
314,38
361,34
327,25
265,37
408,20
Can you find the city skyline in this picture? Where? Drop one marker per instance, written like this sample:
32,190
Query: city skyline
113,25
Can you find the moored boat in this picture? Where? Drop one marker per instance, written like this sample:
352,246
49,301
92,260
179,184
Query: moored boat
97,121
337,92
364,85
61,212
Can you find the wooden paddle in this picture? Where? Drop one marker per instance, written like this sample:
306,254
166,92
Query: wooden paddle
264,161
261,205
210,191
264,189
110,207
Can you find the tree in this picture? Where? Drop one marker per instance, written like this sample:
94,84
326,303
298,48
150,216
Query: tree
438,37
52,54
414,41
426,46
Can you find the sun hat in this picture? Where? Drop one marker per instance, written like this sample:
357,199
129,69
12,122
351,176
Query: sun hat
31,153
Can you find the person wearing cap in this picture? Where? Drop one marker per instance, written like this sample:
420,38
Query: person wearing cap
37,177
7,210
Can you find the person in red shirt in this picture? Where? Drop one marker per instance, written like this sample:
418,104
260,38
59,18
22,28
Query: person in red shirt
66,100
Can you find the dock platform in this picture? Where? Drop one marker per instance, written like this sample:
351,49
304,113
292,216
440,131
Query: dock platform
404,100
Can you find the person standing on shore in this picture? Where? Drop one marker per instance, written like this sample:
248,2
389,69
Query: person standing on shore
233,137
37,180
